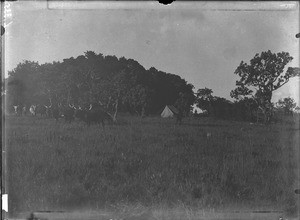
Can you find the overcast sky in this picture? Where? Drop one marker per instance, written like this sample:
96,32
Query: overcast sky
202,42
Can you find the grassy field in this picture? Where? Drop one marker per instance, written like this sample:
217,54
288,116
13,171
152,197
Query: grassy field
151,162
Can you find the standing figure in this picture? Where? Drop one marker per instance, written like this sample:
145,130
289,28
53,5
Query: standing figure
179,117
32,110
24,110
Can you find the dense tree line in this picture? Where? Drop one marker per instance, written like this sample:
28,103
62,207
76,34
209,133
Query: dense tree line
222,108
118,84
124,85
246,109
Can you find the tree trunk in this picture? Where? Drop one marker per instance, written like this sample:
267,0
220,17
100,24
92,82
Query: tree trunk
116,110
108,103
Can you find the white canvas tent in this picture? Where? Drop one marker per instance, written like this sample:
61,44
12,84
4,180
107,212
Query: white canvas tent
169,111
195,108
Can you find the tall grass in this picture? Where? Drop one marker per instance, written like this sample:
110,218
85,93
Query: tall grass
203,163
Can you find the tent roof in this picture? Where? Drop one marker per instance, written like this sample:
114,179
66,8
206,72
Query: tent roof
169,111
173,109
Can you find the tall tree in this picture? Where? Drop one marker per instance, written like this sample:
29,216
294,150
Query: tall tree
204,99
262,77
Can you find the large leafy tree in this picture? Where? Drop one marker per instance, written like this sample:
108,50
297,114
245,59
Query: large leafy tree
265,73
204,99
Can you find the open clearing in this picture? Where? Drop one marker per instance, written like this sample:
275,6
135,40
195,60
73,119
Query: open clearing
203,164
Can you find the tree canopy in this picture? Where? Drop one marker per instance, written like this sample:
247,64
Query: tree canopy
121,84
263,75
258,80
95,78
